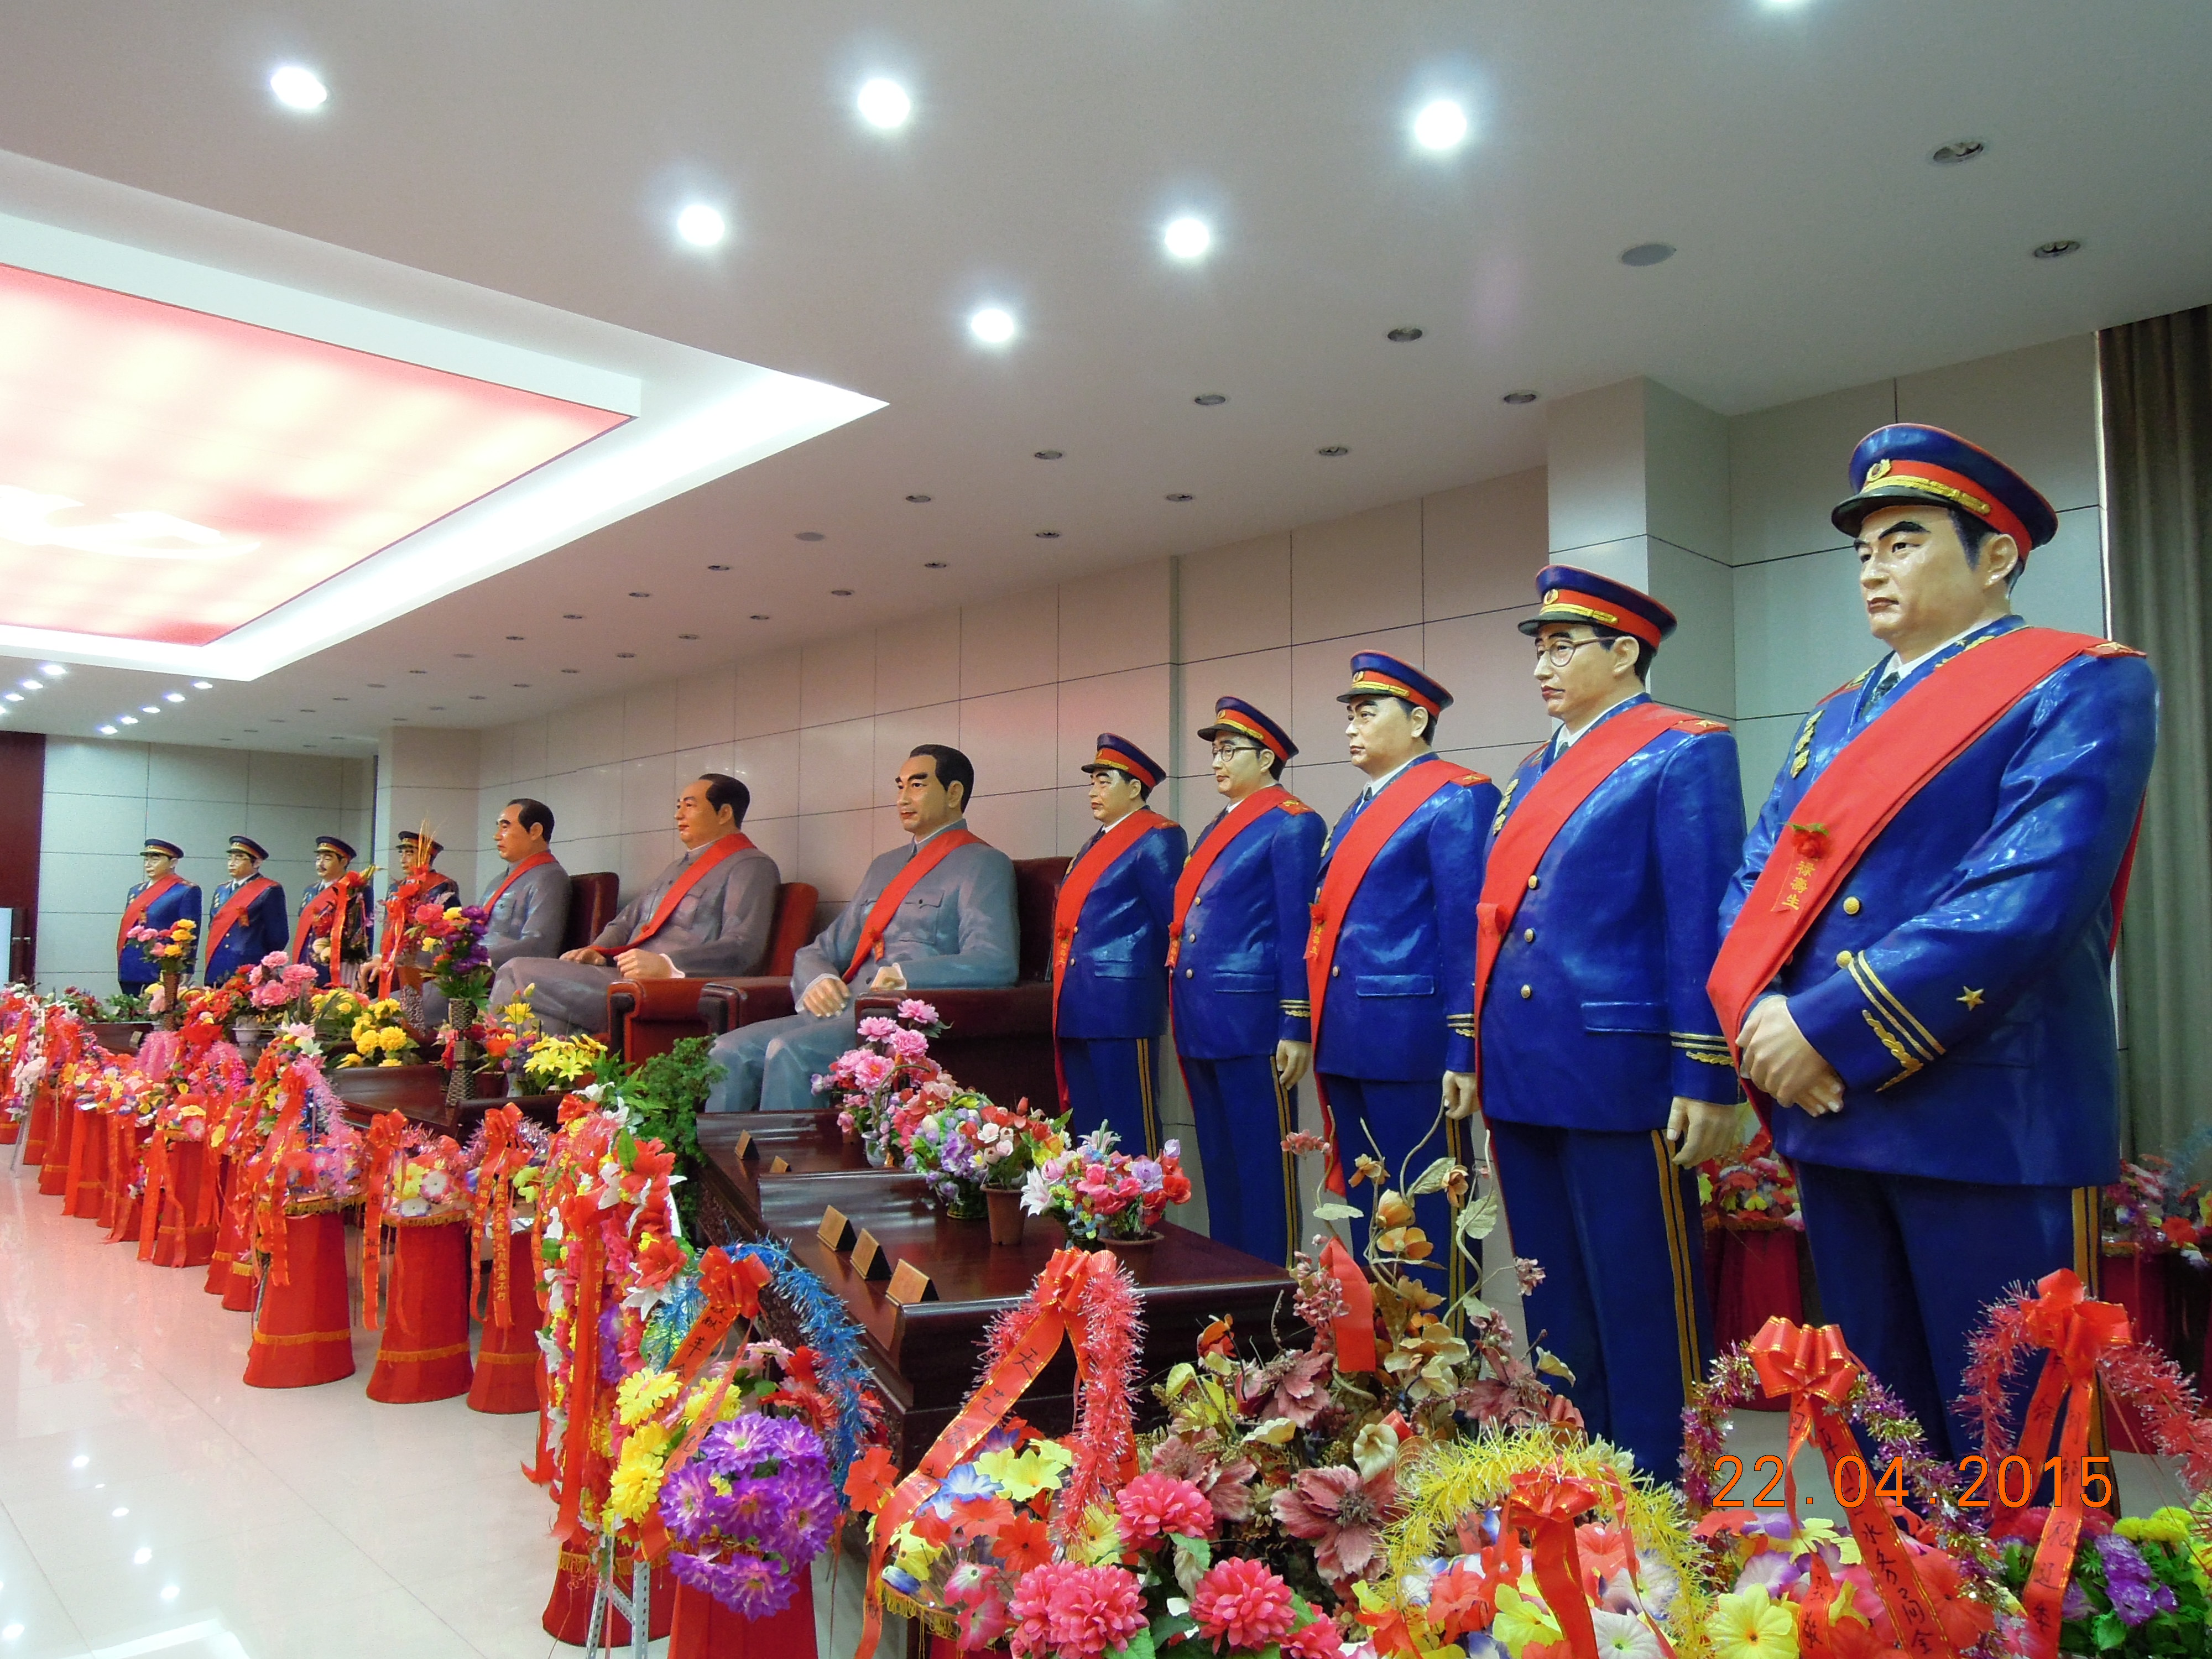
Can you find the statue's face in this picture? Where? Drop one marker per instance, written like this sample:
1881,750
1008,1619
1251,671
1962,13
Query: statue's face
1114,795
242,864
157,865
1914,577
328,864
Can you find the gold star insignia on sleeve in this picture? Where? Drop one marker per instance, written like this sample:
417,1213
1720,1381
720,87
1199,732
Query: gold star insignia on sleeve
1973,999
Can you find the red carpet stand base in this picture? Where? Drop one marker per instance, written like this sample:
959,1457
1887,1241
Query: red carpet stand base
1751,1275
180,1238
509,1363
705,1629
86,1183
52,1155
424,1351
303,1334
118,1208
569,1610
39,1128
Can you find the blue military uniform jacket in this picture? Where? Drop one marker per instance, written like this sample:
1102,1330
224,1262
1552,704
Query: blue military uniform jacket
1116,985
1961,986
1402,1003
266,926
1616,943
1239,983
174,905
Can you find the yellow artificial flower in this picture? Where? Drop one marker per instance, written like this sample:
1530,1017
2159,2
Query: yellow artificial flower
1023,1475
1522,1619
1750,1624
644,1393
636,1486
916,1557
2167,1526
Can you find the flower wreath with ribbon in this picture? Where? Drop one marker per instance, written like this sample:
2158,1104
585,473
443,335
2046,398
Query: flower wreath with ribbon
1089,1298
1935,1576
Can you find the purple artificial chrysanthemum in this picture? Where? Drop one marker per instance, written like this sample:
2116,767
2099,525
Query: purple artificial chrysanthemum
746,1583
611,1369
2075,1605
752,1507
2136,1596
734,1448
793,1445
688,1501
804,1514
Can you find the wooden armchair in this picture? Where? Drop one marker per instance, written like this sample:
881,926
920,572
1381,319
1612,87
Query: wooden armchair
593,898
649,1017
999,1040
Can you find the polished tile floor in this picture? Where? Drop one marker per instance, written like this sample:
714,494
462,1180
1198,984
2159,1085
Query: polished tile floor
151,1503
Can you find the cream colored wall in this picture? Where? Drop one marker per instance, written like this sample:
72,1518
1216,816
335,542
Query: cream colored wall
103,799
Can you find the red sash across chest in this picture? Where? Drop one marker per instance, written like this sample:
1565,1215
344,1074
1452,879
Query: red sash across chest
727,848
234,911
1075,887
535,861
1240,818
934,852
134,913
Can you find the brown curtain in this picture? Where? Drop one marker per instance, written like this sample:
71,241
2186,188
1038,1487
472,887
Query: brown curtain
2157,382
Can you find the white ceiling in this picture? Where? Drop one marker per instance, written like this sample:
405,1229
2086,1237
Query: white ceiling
541,148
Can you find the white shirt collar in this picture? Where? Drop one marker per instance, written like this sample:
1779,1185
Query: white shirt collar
1905,667
1377,787
1563,739
1131,812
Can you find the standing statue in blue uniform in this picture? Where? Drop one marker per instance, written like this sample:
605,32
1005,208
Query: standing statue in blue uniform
250,918
1110,951
333,911
161,901
1236,977
1918,967
1605,1079
1390,956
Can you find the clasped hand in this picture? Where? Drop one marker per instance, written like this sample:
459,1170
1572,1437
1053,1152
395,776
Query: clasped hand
827,996
1780,1063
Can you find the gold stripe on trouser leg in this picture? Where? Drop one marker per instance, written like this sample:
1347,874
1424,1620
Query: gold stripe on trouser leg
1456,1284
1285,1122
1145,1094
2089,1268
1678,1262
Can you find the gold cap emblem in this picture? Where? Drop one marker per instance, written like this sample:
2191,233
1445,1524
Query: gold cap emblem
1879,470
1551,598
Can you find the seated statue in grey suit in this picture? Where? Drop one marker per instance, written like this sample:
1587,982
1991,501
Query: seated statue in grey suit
709,913
954,925
528,898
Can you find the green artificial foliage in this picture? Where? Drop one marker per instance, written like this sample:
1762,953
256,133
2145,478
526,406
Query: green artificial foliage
665,1095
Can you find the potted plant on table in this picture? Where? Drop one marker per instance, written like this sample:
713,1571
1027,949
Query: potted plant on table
886,1087
1104,1196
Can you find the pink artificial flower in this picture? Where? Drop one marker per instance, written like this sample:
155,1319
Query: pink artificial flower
909,1044
876,1029
1317,1640
275,961
921,1014
1341,1513
871,1072
1241,1604
1227,1487
1072,1611
1151,1506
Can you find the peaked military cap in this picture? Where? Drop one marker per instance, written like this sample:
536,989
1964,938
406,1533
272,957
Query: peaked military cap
1118,754
249,847
1566,594
342,849
1374,674
168,849
1240,719
1894,465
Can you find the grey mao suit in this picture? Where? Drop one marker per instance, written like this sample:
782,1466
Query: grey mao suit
527,922
957,927
720,927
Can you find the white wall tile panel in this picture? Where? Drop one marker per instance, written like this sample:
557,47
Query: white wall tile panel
1357,574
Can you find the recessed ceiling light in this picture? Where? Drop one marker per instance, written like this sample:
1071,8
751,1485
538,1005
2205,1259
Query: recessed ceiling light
1050,454
514,636
1047,535
297,88
119,1512
1402,335
33,685
1517,399
1180,496
572,670
202,685
991,325
106,731
1209,400
718,567
418,670
759,616
624,656
1187,238
147,708
687,637
376,685
173,696
341,699
1648,254
639,593
572,615
1333,450
1440,125
883,104
2058,250
169,1591
841,593
54,670
933,564
701,225
1959,149
808,535
126,720
918,500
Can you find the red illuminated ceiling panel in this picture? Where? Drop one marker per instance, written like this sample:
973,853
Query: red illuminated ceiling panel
167,475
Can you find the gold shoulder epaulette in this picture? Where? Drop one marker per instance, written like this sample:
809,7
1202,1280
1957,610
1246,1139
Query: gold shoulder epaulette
1469,777
1293,805
2113,648
1697,724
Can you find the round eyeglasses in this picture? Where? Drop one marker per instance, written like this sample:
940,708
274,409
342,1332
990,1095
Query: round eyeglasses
1560,652
1223,750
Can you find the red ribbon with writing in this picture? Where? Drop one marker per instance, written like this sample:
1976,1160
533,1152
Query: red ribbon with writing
582,1217
2076,1333
1819,1373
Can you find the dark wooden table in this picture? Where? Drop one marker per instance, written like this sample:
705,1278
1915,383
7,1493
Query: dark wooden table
419,1092
808,1143
925,1356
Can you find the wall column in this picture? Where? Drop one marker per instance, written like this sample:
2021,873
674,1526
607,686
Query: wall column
428,775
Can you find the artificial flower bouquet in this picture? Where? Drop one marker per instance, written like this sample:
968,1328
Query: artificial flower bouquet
883,1089
967,1144
2138,1588
281,989
451,940
510,1034
121,1009
168,949
426,1181
2149,1211
1750,1190
376,1029
556,1064
1100,1193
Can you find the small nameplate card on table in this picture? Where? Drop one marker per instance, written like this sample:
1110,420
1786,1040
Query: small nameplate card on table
868,1258
778,1166
744,1147
835,1232
909,1285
